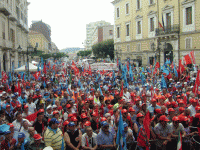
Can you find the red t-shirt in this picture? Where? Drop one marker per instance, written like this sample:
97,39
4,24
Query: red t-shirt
5,145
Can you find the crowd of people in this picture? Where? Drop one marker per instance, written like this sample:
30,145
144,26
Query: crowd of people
68,107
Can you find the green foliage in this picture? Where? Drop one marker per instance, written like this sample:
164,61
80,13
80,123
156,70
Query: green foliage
46,56
104,48
84,53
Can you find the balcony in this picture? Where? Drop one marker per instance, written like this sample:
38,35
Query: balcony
4,8
13,16
174,29
6,44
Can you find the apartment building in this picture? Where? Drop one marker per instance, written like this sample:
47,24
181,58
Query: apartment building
90,31
13,33
102,33
161,29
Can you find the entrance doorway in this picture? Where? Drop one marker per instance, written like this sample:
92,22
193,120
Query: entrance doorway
4,61
168,53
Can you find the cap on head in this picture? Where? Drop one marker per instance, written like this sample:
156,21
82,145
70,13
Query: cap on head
21,135
37,137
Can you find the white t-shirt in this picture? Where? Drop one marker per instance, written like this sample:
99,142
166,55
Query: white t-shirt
91,141
31,107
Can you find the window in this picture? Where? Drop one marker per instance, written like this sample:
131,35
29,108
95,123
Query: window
118,12
118,32
139,27
3,30
138,48
127,30
188,15
110,32
151,24
188,43
128,47
127,8
168,20
151,2
138,4
37,44
12,35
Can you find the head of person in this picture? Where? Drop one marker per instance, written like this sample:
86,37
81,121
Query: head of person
125,126
71,126
7,135
175,120
25,125
31,131
53,124
21,137
105,126
19,116
140,117
56,114
163,120
40,116
37,139
88,130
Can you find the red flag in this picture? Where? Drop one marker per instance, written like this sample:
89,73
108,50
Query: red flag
146,123
192,56
45,69
32,117
161,25
19,89
156,67
187,59
121,92
181,68
195,89
54,67
36,75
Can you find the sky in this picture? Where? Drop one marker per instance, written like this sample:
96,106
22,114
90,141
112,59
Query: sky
68,18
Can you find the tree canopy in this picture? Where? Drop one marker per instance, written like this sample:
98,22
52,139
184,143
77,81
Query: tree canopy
104,48
84,53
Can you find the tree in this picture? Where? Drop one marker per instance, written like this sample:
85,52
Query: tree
84,53
104,48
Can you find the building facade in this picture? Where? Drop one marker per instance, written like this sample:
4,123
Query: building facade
43,28
149,29
90,31
102,33
38,40
13,33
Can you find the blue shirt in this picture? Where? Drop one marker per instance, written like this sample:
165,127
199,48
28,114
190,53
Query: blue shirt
105,139
151,109
22,100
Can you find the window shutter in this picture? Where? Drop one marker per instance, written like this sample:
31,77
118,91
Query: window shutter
128,48
188,43
138,47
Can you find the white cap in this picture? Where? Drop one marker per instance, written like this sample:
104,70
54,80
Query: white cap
48,148
54,106
3,92
49,107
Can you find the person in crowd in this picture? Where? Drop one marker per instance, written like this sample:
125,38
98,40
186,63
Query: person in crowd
9,142
21,144
105,138
53,136
37,144
89,139
40,123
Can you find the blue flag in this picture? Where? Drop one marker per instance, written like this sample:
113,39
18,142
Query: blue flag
175,71
163,83
121,139
100,90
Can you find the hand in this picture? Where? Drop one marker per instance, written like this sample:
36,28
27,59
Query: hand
165,142
169,139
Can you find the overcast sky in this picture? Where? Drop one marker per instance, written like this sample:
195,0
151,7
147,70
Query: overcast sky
68,18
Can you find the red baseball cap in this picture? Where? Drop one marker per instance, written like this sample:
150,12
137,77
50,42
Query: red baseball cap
65,123
197,108
158,111
103,119
197,115
181,109
170,109
68,106
140,115
70,115
87,123
175,118
74,119
19,105
110,106
83,116
168,103
55,112
7,106
25,106
41,110
94,114
37,137
181,102
124,111
11,125
153,100
163,118
131,109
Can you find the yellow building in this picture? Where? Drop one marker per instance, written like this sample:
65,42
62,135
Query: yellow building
38,40
162,28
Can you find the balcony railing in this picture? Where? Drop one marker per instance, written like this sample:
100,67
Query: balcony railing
168,30
4,7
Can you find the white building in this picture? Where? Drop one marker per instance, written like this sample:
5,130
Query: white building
13,33
90,31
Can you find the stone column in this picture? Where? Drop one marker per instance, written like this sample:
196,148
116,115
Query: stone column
16,56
